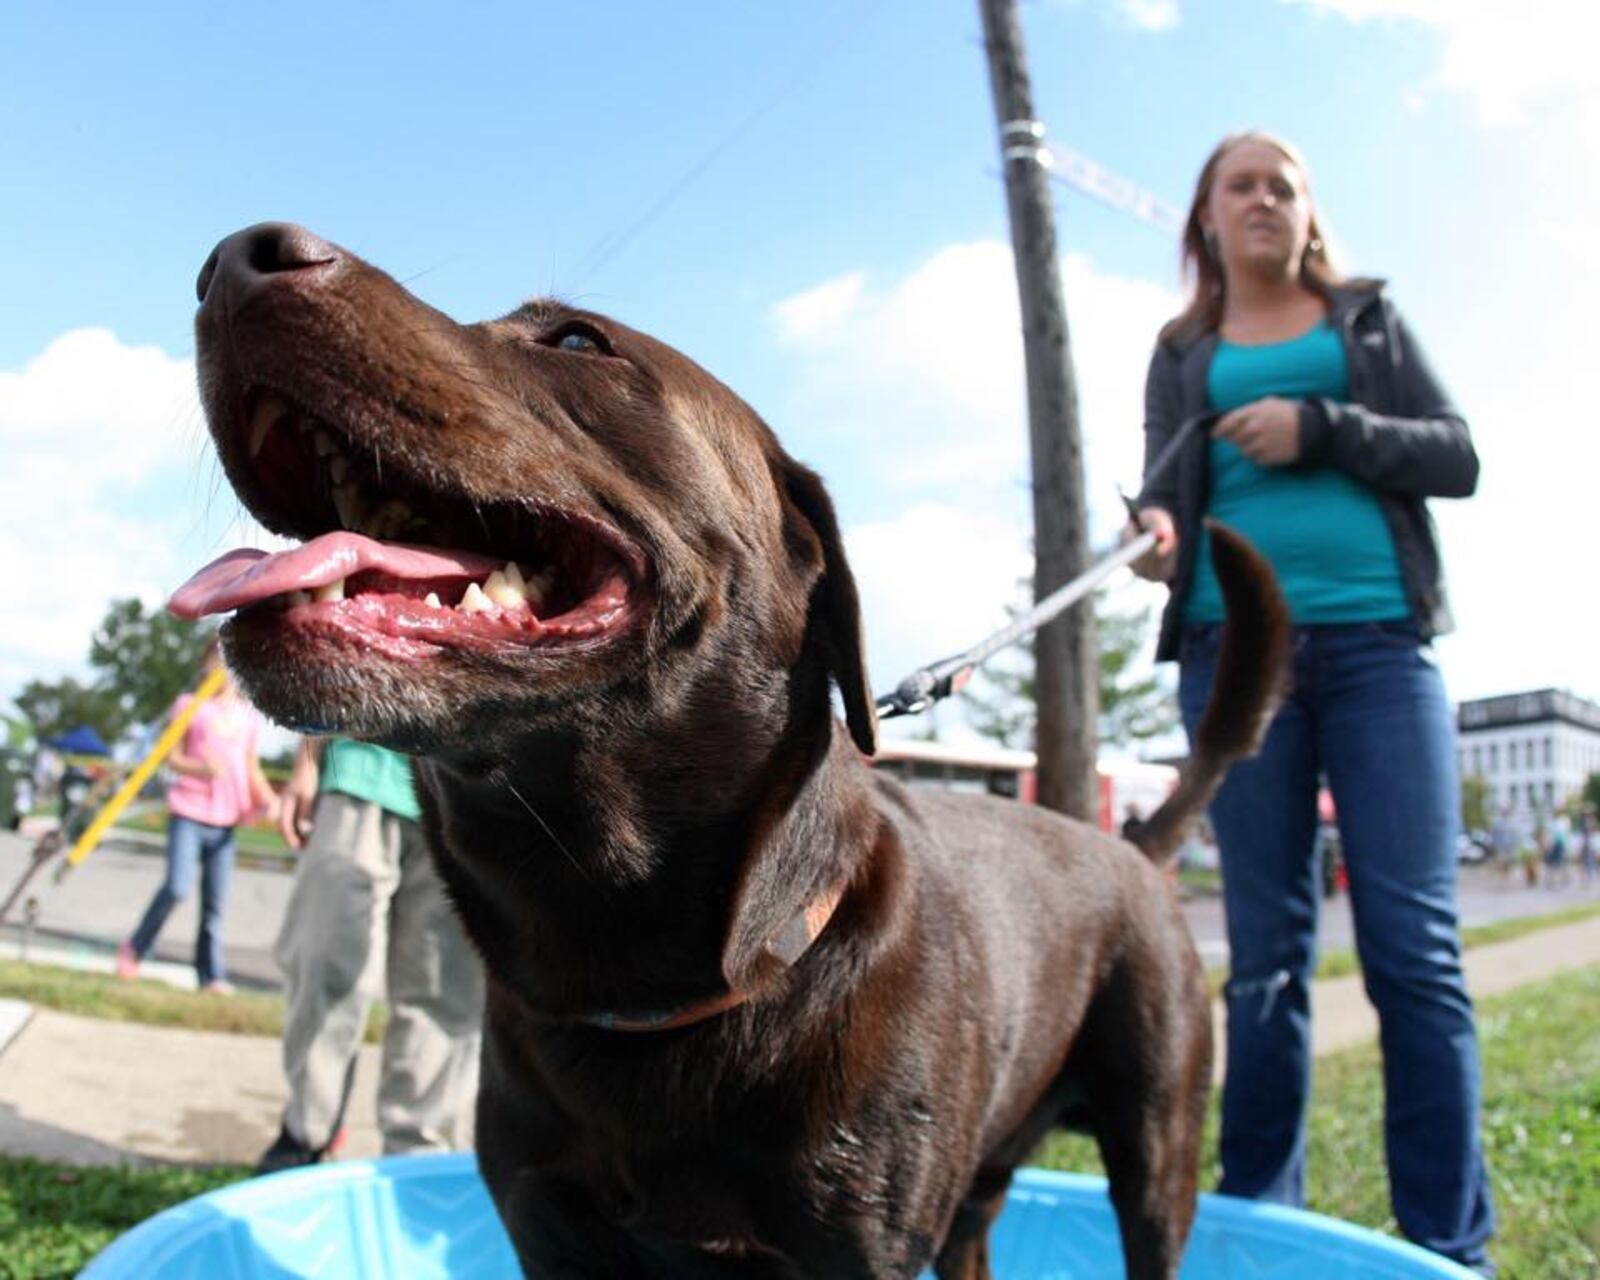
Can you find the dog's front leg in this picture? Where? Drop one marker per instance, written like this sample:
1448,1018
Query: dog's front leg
558,1236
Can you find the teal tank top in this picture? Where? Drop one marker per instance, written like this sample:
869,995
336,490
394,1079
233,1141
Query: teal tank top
370,773
1323,531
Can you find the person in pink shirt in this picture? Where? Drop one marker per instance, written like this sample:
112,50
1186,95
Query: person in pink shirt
218,783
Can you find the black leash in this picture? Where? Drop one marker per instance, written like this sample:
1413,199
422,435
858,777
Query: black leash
927,685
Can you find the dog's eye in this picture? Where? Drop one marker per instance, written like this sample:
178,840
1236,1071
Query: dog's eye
578,336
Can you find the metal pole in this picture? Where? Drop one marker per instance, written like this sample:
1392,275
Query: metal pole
1066,651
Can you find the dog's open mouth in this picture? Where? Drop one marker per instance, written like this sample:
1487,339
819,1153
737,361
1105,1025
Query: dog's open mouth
403,562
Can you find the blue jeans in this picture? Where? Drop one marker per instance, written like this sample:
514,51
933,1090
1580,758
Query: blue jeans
193,845
1368,710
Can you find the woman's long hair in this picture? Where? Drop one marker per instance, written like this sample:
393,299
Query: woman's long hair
1201,268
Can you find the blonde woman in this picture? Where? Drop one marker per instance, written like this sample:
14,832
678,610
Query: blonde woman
1327,432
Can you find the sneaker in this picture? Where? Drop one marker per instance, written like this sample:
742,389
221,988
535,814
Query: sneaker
218,987
288,1152
127,962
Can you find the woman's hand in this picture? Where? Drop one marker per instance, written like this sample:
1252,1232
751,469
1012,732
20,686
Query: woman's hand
298,801
1160,562
1268,430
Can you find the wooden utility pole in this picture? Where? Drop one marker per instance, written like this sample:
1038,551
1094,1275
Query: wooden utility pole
1066,682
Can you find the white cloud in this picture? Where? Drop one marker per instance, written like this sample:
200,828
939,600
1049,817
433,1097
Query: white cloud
109,490
1141,15
923,382
1518,553
105,411
920,385
1510,56
934,580
815,312
1147,15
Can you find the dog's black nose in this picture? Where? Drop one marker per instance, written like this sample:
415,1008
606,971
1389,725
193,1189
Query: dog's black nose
266,249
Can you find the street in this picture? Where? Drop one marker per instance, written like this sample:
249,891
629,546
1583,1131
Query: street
98,904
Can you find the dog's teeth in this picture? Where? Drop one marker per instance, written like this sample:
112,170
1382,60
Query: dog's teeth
514,577
536,588
501,590
475,601
325,444
329,591
351,506
432,600
267,415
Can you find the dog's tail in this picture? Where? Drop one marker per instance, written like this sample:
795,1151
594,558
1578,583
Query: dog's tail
1252,678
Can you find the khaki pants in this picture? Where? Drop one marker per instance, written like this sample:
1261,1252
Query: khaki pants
367,918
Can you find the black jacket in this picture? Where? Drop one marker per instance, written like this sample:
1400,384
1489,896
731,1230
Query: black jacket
1399,435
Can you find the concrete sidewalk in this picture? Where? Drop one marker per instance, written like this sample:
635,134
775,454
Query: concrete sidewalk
86,1091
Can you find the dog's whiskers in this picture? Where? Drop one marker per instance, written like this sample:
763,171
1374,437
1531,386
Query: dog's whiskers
576,865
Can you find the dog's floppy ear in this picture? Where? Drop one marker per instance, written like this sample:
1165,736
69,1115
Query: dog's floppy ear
834,596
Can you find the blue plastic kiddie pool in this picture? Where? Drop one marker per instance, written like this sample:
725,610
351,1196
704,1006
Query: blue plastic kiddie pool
429,1217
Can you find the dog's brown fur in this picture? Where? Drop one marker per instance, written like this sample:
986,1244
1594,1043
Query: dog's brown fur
628,824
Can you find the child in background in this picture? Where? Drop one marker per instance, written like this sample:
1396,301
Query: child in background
218,785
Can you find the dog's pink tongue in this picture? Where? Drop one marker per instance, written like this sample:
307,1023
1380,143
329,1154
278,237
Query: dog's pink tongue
244,577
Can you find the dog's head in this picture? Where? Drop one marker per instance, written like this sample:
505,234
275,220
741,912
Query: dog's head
522,522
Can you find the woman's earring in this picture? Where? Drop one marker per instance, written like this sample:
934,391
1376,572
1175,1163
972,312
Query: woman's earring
1315,246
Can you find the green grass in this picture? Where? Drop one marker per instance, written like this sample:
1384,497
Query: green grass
96,995
1205,880
260,839
1343,963
53,1219
1541,1064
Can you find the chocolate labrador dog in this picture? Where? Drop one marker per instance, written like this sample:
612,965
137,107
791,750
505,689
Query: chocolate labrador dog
753,1010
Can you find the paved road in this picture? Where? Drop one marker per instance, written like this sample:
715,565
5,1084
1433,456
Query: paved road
1485,897
101,901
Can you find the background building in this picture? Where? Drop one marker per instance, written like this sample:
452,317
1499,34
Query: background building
1534,750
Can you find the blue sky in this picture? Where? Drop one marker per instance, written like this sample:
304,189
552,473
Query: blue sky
805,198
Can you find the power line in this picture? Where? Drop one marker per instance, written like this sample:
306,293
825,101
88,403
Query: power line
608,246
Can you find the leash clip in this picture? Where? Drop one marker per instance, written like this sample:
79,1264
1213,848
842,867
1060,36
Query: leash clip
922,688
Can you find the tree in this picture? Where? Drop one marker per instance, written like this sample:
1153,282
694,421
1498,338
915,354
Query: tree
1130,709
17,730
54,707
1474,804
1591,791
145,660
